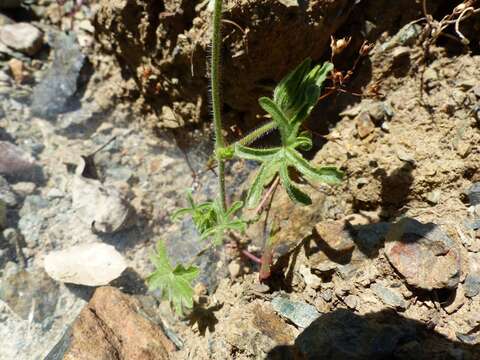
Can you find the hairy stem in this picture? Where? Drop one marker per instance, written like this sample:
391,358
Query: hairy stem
257,133
216,100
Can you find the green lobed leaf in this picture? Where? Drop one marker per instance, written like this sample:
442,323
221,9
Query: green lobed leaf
249,153
278,117
293,192
328,175
298,92
289,87
174,283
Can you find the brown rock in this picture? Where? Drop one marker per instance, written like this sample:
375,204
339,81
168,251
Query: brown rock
336,235
255,329
425,256
364,124
112,327
332,244
16,68
181,30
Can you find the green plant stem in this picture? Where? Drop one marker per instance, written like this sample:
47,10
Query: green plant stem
216,101
257,133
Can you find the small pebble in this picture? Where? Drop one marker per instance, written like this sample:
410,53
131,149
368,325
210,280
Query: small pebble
234,268
351,301
365,125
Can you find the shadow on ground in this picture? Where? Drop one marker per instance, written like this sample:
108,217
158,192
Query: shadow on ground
343,335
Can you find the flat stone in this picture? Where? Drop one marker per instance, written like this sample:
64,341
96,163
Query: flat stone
22,37
24,188
365,125
101,208
389,296
89,264
425,256
113,326
301,314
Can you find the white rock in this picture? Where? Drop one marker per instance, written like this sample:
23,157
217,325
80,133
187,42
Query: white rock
99,207
88,264
22,37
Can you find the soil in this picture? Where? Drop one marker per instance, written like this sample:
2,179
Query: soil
346,283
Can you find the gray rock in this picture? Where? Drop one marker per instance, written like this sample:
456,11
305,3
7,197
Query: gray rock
300,314
33,204
472,285
31,227
327,295
101,208
380,111
28,292
389,296
472,280
22,37
6,193
423,254
405,36
473,194
468,339
52,95
16,163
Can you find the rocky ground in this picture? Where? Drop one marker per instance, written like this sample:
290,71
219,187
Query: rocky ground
101,133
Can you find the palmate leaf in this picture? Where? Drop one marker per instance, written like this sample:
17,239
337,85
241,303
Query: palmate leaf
328,174
293,100
210,220
226,221
174,283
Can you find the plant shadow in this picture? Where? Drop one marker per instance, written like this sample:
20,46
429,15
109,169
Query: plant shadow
204,316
